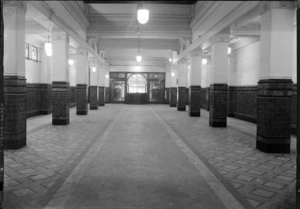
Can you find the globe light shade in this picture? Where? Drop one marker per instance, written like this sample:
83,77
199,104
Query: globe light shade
138,58
143,16
172,74
204,61
48,49
107,76
170,59
94,69
71,62
229,50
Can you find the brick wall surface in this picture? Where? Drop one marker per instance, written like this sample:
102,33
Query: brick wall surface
73,96
167,95
181,98
195,100
218,105
274,115
81,102
101,98
173,97
93,97
187,92
60,103
38,99
242,102
204,98
107,95
15,112
45,99
294,109
32,100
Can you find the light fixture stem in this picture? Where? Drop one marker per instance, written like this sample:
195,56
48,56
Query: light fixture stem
49,27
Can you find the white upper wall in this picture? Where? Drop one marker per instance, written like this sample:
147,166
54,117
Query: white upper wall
206,73
32,71
246,65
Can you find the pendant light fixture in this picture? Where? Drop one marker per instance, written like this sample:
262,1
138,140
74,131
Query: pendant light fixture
142,15
139,57
48,45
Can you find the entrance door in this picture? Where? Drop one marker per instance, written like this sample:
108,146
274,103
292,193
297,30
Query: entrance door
137,89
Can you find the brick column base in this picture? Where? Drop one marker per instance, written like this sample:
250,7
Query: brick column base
173,96
60,103
101,100
14,112
218,105
167,95
45,99
93,97
107,95
181,99
81,103
274,115
195,101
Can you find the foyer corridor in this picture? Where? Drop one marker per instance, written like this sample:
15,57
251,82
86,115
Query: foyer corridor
145,157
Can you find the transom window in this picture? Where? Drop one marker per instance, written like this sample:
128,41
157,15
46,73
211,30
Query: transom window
137,83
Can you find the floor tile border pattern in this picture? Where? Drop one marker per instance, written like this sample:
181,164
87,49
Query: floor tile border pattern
64,192
46,187
215,151
227,198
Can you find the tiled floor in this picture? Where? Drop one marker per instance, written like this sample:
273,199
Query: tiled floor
147,156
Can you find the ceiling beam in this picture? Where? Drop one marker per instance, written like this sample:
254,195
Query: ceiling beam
188,2
241,10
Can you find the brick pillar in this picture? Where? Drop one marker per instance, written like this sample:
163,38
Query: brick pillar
60,103
274,115
14,74
81,80
181,99
194,80
173,96
181,85
275,86
81,105
60,86
107,95
219,88
15,112
167,95
101,100
195,100
218,105
93,97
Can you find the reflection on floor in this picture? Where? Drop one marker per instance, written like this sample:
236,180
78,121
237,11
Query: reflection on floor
147,156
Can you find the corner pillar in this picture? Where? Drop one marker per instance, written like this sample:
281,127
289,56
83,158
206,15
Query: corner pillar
14,75
275,84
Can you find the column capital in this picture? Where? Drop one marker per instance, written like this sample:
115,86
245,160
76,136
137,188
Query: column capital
182,61
220,38
81,51
60,36
196,53
268,5
93,61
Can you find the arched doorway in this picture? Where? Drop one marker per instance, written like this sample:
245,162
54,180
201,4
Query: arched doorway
137,89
